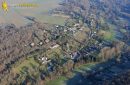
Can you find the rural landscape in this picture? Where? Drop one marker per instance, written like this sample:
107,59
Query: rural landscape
65,42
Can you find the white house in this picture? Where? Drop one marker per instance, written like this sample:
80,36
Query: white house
32,44
54,46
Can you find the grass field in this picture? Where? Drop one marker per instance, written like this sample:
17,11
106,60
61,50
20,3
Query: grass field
59,81
28,63
62,79
50,53
51,19
108,35
85,67
40,12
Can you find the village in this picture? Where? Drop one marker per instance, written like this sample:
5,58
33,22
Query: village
84,50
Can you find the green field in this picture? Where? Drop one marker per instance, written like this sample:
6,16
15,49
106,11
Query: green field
29,63
62,79
59,81
40,12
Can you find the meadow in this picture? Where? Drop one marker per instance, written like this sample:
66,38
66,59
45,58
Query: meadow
16,15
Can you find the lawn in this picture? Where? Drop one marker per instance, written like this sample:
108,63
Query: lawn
102,20
108,35
40,12
123,30
51,19
28,63
62,79
85,67
80,36
50,53
59,81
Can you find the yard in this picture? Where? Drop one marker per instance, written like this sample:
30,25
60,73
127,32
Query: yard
29,63
62,79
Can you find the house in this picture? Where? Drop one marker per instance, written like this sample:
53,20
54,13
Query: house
94,32
54,46
44,60
47,40
77,25
41,43
44,31
75,55
32,44
57,26
72,29
81,29
65,30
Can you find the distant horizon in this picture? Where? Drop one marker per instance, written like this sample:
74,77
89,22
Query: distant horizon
15,14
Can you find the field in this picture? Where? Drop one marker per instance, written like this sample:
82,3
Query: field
108,35
61,80
29,63
16,15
